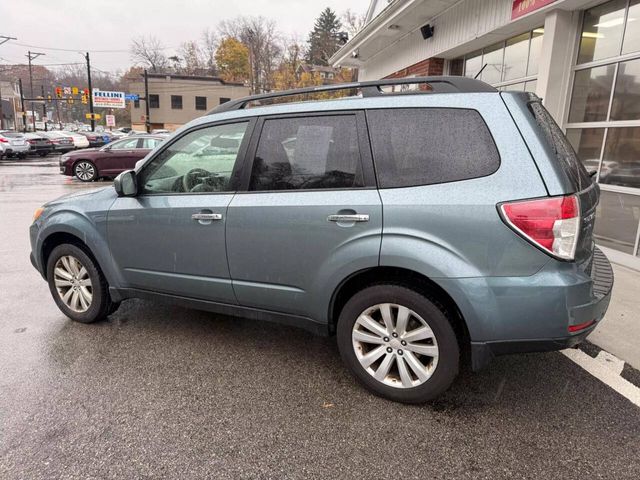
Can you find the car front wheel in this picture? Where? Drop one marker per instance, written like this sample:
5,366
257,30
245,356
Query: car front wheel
77,285
85,171
398,343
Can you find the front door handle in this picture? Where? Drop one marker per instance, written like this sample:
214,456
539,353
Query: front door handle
348,218
206,216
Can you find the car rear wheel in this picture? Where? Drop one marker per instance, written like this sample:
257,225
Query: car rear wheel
85,171
77,285
398,343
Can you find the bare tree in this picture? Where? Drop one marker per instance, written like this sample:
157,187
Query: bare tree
352,22
148,52
209,44
191,55
263,40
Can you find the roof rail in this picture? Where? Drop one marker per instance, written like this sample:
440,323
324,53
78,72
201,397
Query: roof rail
370,88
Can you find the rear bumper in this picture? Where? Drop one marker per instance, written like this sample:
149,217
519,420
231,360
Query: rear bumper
588,314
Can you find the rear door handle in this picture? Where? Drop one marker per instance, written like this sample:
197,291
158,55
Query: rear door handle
206,216
348,218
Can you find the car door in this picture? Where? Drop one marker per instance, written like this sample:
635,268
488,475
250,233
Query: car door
309,216
116,157
171,237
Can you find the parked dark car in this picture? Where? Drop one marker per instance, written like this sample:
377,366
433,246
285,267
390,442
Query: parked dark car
624,174
61,143
108,161
39,144
95,139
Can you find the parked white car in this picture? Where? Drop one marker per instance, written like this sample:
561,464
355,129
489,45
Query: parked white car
14,144
79,141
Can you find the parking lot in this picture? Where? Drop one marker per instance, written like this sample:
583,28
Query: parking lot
162,391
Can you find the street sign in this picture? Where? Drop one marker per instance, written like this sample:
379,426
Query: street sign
111,120
106,99
520,8
67,90
132,97
92,116
74,90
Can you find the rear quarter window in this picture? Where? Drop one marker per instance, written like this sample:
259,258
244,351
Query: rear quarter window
564,153
424,146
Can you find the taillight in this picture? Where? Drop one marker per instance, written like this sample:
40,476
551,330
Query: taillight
552,224
4,140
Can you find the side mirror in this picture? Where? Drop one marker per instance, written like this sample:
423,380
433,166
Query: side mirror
126,184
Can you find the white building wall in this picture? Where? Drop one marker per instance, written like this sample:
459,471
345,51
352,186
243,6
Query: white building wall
462,23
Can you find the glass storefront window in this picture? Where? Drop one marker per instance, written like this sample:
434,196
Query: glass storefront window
507,61
632,32
492,58
626,98
617,219
534,51
473,64
591,94
622,157
515,57
602,31
587,142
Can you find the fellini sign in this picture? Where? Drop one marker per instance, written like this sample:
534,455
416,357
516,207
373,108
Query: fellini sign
106,99
520,8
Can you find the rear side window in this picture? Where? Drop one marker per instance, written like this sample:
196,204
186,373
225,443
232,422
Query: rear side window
424,146
303,153
565,154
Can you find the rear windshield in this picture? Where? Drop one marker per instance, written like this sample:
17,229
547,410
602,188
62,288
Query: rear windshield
564,152
12,135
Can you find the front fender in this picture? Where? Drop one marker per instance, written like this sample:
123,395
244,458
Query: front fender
90,230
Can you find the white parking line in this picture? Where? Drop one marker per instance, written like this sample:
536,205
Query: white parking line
606,368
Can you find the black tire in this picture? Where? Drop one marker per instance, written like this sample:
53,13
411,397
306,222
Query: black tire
447,366
85,171
22,156
101,305
42,154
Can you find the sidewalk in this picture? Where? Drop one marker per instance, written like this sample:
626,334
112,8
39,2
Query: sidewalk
619,332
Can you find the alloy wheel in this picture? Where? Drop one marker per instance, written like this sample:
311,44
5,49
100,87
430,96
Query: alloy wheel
85,171
395,345
73,283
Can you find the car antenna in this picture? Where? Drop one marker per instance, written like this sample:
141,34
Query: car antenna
478,74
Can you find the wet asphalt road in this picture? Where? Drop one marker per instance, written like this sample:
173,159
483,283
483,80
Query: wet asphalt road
165,392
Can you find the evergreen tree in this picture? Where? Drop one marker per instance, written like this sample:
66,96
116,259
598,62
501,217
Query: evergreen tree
323,39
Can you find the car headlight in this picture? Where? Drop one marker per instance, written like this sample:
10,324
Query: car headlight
64,158
37,213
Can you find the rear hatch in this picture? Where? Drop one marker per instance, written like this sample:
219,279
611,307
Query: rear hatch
565,163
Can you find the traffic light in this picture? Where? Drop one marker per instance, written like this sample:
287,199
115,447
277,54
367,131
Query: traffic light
84,99
59,92
49,98
70,100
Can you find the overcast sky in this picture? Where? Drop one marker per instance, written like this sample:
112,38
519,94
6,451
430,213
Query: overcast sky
111,24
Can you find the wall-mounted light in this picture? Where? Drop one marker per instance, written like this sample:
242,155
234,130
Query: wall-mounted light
355,54
394,26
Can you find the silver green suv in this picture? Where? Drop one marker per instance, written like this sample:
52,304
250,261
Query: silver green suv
420,226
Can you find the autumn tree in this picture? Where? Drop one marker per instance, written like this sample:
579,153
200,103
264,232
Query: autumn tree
262,39
323,40
232,59
192,62
149,52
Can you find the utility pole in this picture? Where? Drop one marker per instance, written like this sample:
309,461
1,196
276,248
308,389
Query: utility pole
44,109
0,107
93,121
24,113
5,39
147,122
32,56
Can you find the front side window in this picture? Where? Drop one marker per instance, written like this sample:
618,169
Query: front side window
308,153
423,146
201,161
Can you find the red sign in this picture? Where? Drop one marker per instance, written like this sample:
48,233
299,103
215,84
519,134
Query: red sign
521,8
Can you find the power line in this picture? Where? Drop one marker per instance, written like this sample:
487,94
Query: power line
83,50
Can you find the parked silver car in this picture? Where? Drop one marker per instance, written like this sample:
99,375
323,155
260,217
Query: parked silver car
14,144
422,229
